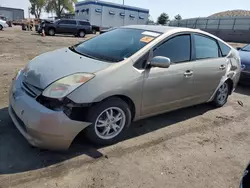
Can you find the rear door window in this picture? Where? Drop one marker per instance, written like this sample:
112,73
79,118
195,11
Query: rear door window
205,47
68,22
71,22
83,23
177,49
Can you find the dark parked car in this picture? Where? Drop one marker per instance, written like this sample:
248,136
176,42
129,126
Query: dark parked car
245,64
245,182
66,26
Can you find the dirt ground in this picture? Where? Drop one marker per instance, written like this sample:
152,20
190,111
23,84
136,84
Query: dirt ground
192,148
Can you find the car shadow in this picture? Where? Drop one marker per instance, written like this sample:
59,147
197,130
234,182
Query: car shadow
62,35
243,89
16,155
57,35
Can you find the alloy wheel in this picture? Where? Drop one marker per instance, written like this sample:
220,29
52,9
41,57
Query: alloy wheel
222,93
110,123
51,32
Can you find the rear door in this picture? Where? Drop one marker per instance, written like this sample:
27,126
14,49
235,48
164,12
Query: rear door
67,27
85,25
209,66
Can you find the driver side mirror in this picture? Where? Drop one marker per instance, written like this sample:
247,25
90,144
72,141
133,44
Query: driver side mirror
160,61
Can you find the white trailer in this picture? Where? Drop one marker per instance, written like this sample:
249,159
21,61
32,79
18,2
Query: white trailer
106,15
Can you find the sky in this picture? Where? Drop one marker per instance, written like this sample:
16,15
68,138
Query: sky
186,8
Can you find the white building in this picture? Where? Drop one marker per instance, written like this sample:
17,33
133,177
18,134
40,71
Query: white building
105,14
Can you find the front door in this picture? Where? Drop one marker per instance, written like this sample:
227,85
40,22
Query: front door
209,66
170,88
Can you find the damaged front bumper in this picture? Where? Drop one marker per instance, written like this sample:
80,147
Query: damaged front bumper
41,126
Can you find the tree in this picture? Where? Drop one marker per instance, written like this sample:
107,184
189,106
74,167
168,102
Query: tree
36,7
163,19
178,17
59,6
150,20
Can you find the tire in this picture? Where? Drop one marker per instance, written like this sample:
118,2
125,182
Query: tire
102,130
94,31
51,32
1,27
222,94
81,34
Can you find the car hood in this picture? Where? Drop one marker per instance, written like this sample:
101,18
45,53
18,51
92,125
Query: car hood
51,66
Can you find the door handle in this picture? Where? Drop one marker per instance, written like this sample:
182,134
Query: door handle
188,73
222,67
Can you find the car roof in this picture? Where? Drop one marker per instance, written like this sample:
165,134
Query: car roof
160,28
73,19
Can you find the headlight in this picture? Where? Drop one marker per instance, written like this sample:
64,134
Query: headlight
61,88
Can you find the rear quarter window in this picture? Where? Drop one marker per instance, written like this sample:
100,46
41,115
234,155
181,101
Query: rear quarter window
224,49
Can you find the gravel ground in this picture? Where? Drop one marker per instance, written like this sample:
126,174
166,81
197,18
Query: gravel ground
192,148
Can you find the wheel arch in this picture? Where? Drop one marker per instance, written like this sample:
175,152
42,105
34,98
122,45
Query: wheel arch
51,27
225,79
127,100
231,85
79,30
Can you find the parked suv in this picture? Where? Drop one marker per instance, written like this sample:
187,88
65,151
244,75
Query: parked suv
66,26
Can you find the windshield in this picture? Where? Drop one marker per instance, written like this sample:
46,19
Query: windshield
246,48
115,45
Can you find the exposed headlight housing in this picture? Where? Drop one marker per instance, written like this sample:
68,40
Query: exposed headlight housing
61,88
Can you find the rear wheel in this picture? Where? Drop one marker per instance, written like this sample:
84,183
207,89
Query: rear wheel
51,32
110,120
1,27
222,95
81,34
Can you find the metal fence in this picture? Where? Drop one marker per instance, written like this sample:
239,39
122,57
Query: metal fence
229,29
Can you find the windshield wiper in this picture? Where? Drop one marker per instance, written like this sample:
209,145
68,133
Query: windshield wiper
86,55
100,57
72,48
109,59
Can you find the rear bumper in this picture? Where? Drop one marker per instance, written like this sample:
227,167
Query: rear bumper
41,126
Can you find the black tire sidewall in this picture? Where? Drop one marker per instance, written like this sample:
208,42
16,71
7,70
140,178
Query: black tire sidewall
1,27
216,102
95,111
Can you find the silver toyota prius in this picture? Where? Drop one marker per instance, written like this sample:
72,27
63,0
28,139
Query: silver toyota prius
101,85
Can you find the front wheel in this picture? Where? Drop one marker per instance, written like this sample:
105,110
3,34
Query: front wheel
110,119
222,95
1,27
